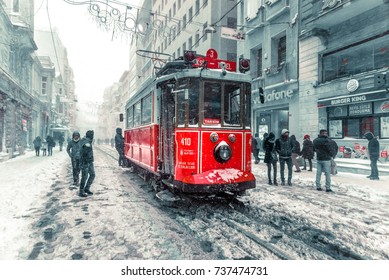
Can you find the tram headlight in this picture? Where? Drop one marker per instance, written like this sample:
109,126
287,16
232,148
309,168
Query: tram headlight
214,137
222,152
232,138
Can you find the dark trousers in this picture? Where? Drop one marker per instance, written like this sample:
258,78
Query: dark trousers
76,166
37,149
121,157
288,161
49,150
374,168
87,176
269,165
255,154
310,163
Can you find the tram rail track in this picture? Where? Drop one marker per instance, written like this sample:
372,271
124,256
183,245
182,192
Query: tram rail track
280,237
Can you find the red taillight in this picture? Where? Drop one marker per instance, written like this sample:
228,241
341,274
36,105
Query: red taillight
189,56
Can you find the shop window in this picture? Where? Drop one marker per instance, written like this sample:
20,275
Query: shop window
282,51
384,127
356,128
335,129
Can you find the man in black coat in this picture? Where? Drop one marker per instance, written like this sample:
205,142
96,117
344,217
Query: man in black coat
284,147
324,152
87,167
374,154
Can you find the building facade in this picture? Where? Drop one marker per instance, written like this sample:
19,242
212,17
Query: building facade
343,57
271,28
17,100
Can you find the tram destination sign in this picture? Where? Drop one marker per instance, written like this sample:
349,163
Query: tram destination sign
352,99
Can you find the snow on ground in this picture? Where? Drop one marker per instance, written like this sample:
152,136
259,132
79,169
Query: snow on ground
40,211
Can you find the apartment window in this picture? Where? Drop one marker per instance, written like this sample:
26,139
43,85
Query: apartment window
174,9
205,3
205,37
179,4
184,22
259,63
282,50
15,6
184,47
368,55
190,43
197,7
231,22
178,52
190,15
197,39
44,85
170,14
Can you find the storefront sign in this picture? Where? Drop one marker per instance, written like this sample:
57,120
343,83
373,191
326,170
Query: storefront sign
360,109
381,107
346,100
278,95
352,85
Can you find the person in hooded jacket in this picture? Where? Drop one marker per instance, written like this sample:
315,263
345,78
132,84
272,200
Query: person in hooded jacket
37,145
296,150
270,157
87,166
374,153
284,149
119,145
74,151
307,152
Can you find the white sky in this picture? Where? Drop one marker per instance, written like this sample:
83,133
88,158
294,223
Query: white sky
97,60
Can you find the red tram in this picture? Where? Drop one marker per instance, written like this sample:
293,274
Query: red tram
189,128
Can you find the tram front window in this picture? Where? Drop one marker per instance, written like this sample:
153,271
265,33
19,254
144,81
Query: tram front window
232,105
212,102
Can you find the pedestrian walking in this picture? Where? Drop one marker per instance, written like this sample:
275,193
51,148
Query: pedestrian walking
334,152
61,139
296,150
44,147
374,153
87,166
119,145
255,147
50,145
74,151
271,158
323,150
307,152
284,149
37,145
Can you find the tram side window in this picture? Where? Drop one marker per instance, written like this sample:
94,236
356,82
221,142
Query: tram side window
130,117
137,114
181,108
194,88
232,105
146,110
212,103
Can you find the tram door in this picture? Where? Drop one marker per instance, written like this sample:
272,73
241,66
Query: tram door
167,129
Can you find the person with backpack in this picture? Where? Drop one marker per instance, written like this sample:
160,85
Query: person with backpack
284,147
270,157
296,150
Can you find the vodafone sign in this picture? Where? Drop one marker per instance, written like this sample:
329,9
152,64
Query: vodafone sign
278,95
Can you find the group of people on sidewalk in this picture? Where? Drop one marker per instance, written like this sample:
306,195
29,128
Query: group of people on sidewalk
46,145
287,150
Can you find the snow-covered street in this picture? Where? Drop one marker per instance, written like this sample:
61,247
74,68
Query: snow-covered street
42,217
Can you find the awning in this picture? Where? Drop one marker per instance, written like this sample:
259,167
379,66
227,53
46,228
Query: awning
353,98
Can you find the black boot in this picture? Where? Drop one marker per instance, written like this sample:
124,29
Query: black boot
270,182
87,191
82,193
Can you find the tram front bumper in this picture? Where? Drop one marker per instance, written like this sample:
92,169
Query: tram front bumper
217,180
